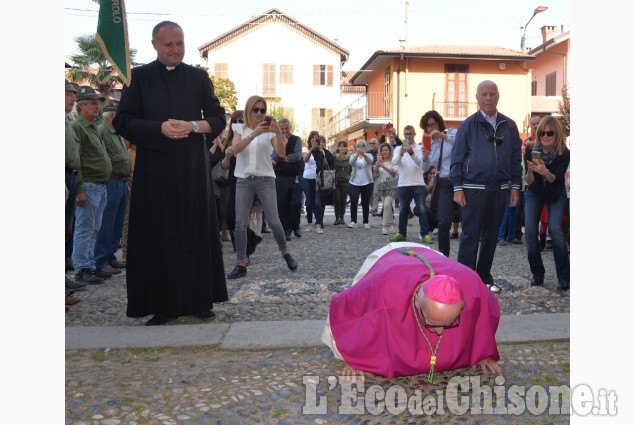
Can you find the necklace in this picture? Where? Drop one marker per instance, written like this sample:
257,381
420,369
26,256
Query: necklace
433,353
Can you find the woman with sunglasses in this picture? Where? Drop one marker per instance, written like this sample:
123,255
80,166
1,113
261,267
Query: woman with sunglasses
254,173
546,161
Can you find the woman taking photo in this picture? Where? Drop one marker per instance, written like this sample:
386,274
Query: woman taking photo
433,125
313,155
361,182
254,173
546,162
342,174
386,185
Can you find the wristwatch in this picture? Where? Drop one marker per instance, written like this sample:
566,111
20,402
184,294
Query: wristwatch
194,127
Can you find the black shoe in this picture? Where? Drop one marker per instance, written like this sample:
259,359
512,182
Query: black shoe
543,240
454,235
88,276
239,271
159,319
537,282
205,315
291,263
563,286
287,236
297,233
75,286
103,274
265,230
252,241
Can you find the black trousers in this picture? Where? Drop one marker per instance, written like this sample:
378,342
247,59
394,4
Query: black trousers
367,193
289,197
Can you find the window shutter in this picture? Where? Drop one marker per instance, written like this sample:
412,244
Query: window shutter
329,75
316,75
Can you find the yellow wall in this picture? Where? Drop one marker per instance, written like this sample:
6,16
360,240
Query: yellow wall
423,80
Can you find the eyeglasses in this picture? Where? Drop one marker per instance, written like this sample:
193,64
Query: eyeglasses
454,324
372,143
492,139
408,134
262,110
547,133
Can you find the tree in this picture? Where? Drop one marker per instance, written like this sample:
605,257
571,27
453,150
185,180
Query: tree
276,110
564,108
91,65
225,90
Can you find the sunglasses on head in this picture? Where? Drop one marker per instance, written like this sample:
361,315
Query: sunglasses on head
262,110
492,139
549,133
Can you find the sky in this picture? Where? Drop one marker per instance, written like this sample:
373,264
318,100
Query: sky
361,27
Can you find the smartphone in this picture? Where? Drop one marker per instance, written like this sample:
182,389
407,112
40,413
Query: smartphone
388,127
267,120
427,142
361,145
535,155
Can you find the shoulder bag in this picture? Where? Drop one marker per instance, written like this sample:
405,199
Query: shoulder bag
325,179
434,192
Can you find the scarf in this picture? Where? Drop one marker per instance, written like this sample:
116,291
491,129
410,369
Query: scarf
344,157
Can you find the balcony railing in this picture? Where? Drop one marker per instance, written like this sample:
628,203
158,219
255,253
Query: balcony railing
369,105
455,110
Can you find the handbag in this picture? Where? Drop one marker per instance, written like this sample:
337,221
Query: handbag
325,180
434,192
220,175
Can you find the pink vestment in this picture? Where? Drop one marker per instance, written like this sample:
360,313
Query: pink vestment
374,327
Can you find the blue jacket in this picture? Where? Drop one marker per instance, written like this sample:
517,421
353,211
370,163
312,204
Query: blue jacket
480,164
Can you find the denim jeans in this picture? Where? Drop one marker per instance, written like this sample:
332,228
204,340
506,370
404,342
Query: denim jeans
265,188
507,230
418,193
533,209
109,234
313,201
88,222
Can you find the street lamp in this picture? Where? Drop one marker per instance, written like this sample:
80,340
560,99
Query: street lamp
536,11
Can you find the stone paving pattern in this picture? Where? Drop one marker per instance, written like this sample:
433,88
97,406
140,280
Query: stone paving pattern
207,385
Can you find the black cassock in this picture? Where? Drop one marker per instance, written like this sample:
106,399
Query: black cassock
175,262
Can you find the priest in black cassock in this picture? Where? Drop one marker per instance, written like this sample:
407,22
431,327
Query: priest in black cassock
175,263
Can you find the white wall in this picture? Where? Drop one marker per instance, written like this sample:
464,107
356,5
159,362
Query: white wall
275,43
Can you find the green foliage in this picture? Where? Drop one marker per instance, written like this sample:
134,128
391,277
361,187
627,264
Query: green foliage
276,110
91,65
564,108
225,90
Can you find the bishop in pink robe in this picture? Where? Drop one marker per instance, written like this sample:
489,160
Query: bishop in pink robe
373,327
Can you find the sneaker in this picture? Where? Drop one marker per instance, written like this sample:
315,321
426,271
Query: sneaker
308,228
384,231
502,242
74,286
427,239
318,229
291,263
88,276
392,229
495,289
366,225
352,225
239,271
398,238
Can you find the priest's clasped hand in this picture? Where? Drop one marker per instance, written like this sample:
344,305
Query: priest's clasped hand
176,129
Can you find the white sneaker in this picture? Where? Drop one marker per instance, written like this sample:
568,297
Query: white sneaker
384,231
352,225
367,226
308,228
391,230
318,229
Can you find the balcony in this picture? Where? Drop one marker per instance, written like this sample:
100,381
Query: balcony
455,110
368,106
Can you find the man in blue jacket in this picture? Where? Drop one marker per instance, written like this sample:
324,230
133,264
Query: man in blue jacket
485,166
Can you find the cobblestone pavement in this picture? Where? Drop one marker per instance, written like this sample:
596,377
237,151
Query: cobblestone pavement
197,385
327,265
207,385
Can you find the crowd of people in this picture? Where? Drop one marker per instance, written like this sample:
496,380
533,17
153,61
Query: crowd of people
196,176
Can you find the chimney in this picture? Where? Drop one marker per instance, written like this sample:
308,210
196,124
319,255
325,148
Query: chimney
548,32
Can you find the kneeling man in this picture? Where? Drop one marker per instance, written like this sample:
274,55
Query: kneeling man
411,310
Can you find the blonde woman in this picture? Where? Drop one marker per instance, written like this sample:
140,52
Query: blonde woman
386,185
252,146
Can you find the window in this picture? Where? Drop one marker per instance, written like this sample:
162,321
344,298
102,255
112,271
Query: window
220,70
268,80
286,74
550,86
323,75
320,119
456,90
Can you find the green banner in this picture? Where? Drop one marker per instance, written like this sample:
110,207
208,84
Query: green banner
112,34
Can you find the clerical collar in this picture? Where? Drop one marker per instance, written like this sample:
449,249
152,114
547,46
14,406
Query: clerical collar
170,68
